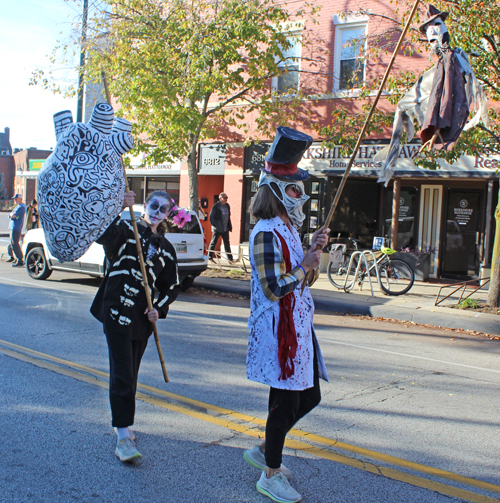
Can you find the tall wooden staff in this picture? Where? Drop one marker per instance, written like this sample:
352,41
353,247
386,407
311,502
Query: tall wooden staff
309,275
139,252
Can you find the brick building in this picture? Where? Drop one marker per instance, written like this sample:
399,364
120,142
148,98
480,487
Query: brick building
448,212
7,166
28,163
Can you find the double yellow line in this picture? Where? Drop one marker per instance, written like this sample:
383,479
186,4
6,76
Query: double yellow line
316,445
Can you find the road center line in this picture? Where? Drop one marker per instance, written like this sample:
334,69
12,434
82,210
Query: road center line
254,429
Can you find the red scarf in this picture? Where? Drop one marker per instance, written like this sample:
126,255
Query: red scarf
287,337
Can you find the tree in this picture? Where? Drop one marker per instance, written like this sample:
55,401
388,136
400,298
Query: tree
481,40
182,69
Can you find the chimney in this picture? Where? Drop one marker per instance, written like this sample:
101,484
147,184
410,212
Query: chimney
7,132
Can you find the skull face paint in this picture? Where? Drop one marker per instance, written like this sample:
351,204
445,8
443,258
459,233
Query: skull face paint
156,210
437,34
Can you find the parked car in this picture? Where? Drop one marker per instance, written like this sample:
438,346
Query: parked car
189,243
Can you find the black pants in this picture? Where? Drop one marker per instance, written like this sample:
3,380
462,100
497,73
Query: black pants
286,407
15,236
225,238
124,361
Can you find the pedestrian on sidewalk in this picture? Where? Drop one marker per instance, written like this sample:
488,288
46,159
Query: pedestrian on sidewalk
220,218
121,306
283,350
32,215
16,224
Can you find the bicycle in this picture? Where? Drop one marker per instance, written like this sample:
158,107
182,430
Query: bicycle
394,276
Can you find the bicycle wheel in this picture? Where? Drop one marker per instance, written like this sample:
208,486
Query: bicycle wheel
396,277
337,273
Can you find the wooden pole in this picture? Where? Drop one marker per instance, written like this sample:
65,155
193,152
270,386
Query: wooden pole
365,127
139,252
396,193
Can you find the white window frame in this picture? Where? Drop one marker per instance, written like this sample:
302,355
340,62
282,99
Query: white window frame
341,23
297,49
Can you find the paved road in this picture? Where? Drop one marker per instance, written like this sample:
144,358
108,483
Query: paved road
402,404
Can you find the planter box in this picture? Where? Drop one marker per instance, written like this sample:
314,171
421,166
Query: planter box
421,263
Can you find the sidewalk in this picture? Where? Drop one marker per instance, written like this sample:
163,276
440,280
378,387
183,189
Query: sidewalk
416,306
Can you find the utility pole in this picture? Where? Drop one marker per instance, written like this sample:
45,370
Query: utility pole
81,68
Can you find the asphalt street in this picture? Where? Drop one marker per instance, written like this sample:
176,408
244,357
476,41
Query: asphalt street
409,414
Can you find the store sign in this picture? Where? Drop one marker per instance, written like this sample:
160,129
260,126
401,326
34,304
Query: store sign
212,160
255,157
36,164
330,161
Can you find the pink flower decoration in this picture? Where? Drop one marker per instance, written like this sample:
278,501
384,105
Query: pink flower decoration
181,217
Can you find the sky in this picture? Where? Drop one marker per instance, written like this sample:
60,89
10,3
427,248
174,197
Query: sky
29,30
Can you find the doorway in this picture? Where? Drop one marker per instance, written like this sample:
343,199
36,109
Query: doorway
430,218
462,234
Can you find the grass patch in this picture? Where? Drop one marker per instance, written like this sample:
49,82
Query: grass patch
235,272
469,304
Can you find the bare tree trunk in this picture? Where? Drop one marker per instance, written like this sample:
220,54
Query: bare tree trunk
494,291
193,174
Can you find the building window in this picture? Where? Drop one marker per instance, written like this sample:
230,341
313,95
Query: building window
350,40
289,81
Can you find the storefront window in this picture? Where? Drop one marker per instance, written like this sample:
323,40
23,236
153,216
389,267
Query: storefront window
407,217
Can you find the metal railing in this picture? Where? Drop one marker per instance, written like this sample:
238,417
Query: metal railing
463,286
239,260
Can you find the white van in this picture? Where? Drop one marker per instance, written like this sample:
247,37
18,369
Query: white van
189,243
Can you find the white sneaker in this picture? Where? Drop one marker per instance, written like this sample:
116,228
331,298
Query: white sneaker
126,451
277,488
254,457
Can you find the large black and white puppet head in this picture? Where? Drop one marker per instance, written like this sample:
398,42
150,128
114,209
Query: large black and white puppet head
81,185
281,172
434,28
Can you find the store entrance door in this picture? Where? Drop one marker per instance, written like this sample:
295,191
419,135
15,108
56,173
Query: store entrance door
461,239
428,229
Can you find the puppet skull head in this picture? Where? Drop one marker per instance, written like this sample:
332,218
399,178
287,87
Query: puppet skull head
437,34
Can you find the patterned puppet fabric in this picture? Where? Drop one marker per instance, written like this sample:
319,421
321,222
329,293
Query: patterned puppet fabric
81,185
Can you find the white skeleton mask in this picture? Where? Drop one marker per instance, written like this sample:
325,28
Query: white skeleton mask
437,34
293,205
156,210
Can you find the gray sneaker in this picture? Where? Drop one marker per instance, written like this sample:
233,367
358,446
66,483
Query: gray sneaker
254,457
277,488
126,451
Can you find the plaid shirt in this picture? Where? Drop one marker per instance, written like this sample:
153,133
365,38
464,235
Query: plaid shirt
271,269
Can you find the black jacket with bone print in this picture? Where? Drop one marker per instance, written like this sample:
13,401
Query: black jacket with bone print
120,302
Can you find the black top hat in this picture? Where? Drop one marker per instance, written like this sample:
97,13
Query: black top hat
431,14
286,151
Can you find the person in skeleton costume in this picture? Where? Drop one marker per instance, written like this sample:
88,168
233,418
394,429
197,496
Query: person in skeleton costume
283,351
121,305
439,101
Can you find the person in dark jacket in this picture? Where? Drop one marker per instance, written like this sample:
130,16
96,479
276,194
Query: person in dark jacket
220,218
121,305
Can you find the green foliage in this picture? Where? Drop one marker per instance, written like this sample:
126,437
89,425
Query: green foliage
469,304
175,66
481,40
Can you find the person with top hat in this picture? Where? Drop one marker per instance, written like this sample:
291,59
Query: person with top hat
283,350
16,224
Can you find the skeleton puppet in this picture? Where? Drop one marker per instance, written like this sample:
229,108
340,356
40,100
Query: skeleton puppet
81,185
439,101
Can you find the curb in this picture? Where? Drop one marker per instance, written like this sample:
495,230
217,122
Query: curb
439,316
